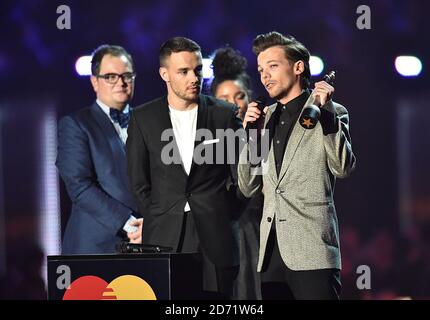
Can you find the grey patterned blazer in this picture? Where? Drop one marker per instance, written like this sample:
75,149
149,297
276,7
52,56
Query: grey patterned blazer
300,201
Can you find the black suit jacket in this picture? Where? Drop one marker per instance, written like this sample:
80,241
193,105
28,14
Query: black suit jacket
162,190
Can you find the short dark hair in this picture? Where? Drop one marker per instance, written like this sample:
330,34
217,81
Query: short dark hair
294,51
107,49
177,44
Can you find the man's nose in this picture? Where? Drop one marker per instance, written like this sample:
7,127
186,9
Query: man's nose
195,77
122,83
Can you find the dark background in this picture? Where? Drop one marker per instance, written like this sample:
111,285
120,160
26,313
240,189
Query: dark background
383,208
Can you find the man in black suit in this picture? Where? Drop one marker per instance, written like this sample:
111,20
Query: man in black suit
187,203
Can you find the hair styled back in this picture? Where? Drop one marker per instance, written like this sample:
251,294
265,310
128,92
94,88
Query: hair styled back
294,51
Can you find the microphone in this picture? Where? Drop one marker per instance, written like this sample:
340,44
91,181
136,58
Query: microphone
127,247
257,124
311,112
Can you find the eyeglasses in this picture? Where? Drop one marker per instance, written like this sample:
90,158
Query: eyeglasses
112,78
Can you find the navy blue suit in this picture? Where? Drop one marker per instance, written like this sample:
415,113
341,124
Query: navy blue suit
92,163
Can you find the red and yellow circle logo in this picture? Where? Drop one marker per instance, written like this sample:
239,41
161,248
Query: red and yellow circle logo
126,287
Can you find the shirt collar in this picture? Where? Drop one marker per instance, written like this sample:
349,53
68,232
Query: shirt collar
295,105
106,108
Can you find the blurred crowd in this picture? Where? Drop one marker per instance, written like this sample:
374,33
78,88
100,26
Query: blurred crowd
399,265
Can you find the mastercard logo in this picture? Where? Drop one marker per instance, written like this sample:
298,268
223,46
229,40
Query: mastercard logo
126,287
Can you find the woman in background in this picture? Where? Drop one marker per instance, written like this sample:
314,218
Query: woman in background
233,84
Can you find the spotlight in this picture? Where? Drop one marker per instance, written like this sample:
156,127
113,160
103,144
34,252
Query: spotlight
207,68
316,65
83,66
408,66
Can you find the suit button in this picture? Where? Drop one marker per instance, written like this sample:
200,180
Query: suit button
269,219
188,194
278,191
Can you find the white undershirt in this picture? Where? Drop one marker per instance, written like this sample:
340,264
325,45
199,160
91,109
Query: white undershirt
184,125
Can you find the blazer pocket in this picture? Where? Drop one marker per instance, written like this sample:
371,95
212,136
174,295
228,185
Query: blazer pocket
316,203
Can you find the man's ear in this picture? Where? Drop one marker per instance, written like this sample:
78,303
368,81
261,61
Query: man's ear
164,74
299,67
94,83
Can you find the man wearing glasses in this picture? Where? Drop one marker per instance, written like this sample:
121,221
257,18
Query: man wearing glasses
92,163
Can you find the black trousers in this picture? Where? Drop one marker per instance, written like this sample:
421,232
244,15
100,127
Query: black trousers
281,283
217,281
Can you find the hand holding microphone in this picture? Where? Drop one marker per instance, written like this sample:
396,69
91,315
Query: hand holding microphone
254,116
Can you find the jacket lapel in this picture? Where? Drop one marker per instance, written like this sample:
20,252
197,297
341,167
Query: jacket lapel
295,138
269,129
117,148
108,129
202,116
293,143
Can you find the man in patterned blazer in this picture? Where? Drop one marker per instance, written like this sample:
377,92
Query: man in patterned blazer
299,254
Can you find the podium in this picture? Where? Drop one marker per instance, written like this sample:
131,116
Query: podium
144,276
